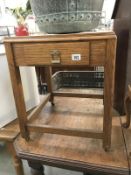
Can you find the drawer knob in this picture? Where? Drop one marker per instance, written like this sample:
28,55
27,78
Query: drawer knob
56,56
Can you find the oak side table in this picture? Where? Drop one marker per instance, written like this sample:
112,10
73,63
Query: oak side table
91,49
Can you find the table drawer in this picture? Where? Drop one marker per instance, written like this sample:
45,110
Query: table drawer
68,53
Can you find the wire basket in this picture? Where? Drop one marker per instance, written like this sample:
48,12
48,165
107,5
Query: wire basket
78,79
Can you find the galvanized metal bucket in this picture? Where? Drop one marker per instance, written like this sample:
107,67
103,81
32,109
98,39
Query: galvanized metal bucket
67,16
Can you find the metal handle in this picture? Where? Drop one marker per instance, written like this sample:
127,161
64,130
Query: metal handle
56,56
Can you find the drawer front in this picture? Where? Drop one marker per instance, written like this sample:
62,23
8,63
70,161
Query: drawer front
98,53
69,53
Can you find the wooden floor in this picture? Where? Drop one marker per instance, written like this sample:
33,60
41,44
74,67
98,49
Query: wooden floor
82,154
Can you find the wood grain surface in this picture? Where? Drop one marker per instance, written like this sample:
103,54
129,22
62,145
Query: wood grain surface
95,49
9,132
82,154
17,91
98,52
60,37
109,73
27,54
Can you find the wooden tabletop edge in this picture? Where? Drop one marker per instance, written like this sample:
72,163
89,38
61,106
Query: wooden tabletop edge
58,37
47,160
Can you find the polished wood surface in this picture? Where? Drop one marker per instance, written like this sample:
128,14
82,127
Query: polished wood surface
76,153
96,49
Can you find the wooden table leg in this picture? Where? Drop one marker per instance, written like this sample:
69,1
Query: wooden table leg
17,161
109,71
49,82
36,168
